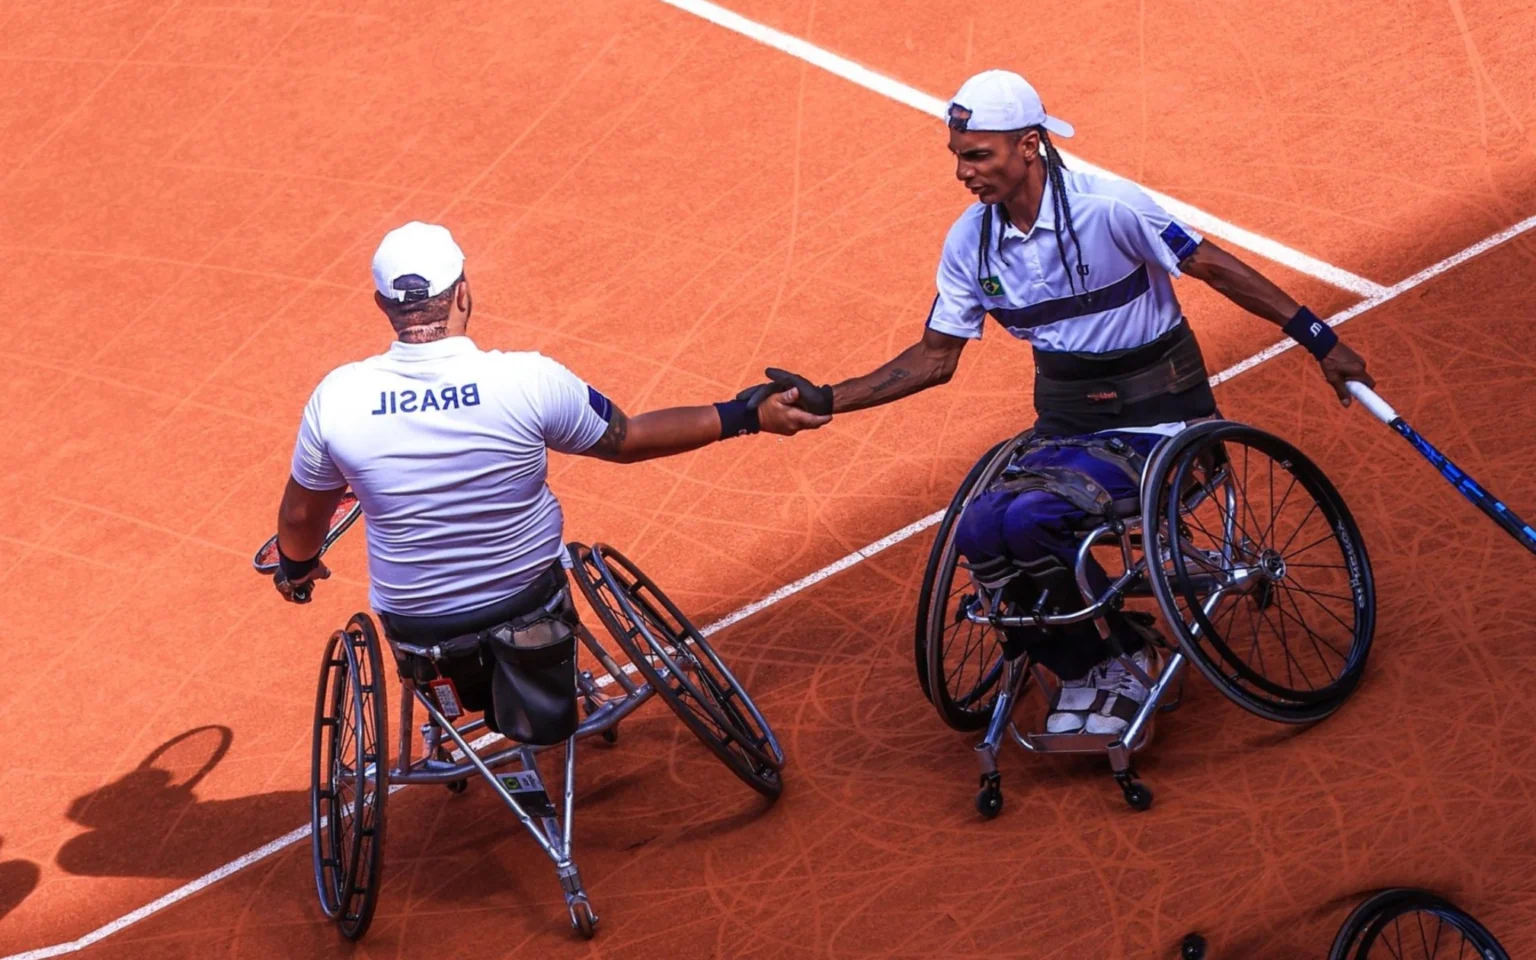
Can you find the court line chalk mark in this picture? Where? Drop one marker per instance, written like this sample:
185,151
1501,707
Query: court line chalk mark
911,96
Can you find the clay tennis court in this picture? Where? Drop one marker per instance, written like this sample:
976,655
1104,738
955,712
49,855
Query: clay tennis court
189,194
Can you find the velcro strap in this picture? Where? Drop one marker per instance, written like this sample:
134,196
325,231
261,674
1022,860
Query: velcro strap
1180,368
1073,486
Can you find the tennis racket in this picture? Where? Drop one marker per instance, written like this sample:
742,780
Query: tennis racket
346,514
1457,477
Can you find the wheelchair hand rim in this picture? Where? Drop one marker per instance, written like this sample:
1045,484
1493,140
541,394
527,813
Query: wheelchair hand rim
1324,497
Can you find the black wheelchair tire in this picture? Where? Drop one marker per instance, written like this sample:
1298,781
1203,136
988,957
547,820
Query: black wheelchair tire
1367,925
729,715
938,575
1211,655
347,863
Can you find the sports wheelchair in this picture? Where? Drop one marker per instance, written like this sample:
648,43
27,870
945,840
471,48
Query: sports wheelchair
1400,923
351,773
1250,555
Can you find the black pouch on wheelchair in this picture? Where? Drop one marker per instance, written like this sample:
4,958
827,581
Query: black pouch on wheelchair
533,684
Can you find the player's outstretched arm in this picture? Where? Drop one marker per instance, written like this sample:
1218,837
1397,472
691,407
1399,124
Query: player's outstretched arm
663,433
1256,293
928,363
303,519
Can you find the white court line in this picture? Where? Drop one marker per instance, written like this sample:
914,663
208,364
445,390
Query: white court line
905,94
929,104
783,593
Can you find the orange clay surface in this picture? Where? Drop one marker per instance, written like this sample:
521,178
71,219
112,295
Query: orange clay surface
189,195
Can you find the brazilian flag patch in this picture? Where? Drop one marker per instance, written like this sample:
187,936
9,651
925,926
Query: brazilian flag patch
992,286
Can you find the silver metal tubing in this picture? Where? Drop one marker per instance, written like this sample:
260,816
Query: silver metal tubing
1096,609
431,770
1002,711
1149,707
495,782
570,790
620,675
407,718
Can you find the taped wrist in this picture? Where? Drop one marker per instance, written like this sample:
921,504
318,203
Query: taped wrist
295,569
1309,331
737,419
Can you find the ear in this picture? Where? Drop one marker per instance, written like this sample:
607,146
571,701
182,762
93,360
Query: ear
462,298
1029,145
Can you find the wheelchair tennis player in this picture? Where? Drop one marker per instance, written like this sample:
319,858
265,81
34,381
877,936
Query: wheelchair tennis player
1080,267
445,446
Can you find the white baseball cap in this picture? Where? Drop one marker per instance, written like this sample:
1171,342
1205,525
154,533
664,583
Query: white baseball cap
1001,101
416,261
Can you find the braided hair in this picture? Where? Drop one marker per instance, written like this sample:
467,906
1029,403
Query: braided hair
1062,206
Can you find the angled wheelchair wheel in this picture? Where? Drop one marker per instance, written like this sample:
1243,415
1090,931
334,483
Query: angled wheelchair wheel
959,663
1260,569
349,776
1408,924
681,666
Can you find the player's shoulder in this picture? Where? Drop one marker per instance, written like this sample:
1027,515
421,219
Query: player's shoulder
1094,189
965,232
345,376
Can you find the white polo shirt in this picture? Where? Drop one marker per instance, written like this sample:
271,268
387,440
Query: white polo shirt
1131,247
445,446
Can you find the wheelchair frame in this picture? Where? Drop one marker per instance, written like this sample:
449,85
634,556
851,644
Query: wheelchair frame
521,789
1225,574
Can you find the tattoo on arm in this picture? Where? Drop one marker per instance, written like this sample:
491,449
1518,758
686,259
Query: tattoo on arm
611,444
894,377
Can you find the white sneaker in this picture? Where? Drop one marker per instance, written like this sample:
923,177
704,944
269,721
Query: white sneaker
1074,702
1123,695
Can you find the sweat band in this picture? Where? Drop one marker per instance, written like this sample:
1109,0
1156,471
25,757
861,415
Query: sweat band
295,569
1306,329
737,419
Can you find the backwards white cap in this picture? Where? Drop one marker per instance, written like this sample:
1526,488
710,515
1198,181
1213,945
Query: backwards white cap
1001,101
416,261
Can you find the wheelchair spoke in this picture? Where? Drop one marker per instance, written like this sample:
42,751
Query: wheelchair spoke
1280,608
1290,658
1324,608
1296,618
1278,510
1242,493
1310,511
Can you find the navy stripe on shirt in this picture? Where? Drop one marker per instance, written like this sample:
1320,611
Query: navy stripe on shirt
1181,243
600,404
1116,295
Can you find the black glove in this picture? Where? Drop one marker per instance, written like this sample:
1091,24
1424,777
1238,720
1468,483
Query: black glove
754,396
812,399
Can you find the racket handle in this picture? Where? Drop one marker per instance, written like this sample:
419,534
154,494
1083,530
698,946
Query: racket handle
1368,398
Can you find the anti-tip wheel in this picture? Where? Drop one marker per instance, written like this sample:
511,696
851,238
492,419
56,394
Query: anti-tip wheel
583,920
989,800
457,786
1193,947
1138,796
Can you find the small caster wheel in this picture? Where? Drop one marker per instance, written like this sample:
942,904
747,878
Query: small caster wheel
583,920
611,735
457,786
989,801
1138,796
1193,947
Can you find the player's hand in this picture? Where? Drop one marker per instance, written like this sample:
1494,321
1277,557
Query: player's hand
1343,365
781,415
754,396
814,399
299,591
